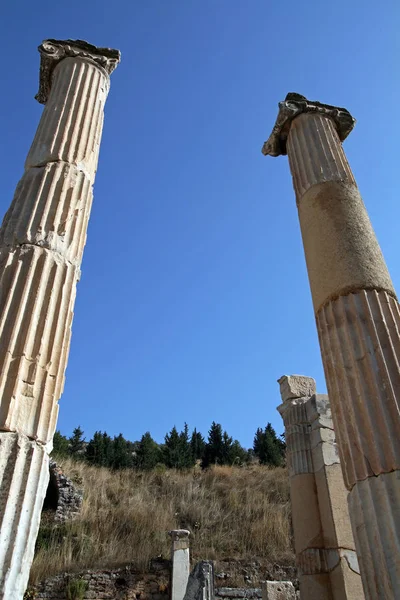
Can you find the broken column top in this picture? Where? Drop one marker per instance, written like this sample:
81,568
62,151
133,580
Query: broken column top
178,534
293,106
296,386
52,51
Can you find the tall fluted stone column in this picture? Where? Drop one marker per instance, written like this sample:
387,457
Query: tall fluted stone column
358,321
41,244
325,551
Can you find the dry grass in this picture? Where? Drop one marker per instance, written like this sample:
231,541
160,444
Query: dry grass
231,511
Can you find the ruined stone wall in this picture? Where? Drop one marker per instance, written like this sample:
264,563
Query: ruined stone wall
63,497
239,573
231,593
277,590
118,584
129,584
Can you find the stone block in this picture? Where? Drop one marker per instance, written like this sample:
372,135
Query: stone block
333,507
238,593
319,434
325,454
319,411
305,512
296,386
316,587
278,590
346,582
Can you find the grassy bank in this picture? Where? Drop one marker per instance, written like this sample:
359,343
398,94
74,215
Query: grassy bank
236,512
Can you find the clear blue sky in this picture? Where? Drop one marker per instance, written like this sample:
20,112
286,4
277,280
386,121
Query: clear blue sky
194,295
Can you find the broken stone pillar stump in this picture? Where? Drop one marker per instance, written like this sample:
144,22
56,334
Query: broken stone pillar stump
358,322
278,590
306,519
200,585
180,562
325,551
42,238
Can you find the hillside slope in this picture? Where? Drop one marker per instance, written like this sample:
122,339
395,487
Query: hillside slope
232,513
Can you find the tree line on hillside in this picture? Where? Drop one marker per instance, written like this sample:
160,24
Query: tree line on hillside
180,450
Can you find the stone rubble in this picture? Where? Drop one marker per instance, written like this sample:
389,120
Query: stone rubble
63,496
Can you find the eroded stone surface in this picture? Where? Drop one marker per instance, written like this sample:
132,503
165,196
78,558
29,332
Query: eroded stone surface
24,474
63,498
295,105
200,585
278,590
53,51
369,500
296,386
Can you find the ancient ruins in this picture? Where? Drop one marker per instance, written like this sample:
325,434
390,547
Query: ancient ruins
358,321
327,564
346,512
41,244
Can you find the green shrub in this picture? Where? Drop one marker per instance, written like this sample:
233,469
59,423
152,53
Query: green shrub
76,589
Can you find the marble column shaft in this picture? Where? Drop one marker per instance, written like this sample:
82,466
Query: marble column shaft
358,322
42,238
180,559
325,551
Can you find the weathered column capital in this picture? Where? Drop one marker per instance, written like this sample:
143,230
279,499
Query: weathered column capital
179,534
295,105
53,51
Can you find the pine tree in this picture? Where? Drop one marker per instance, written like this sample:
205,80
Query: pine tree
148,453
237,454
76,443
226,458
187,459
177,450
172,449
95,450
258,442
122,453
197,445
213,450
108,450
60,444
268,447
